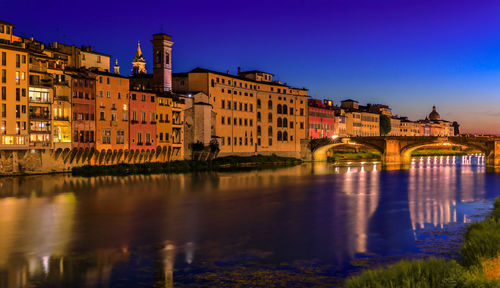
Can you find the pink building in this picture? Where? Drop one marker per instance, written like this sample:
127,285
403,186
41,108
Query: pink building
142,120
321,118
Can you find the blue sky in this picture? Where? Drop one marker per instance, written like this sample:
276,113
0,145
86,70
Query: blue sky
407,54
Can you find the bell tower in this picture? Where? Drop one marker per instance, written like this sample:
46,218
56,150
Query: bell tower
162,62
138,64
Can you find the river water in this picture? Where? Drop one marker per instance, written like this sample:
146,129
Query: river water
308,225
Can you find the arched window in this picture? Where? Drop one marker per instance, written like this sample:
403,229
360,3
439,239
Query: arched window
270,118
279,135
258,116
259,131
167,58
285,122
158,57
269,104
280,124
285,109
279,109
258,103
270,131
285,136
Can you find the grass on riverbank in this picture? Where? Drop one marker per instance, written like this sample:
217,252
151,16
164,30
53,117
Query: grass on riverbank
361,155
478,264
229,163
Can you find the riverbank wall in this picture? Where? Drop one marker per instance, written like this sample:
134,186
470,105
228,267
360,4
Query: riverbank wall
44,161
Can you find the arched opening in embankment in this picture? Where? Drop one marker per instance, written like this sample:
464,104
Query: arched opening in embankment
348,151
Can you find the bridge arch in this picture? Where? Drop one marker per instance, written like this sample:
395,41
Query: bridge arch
320,154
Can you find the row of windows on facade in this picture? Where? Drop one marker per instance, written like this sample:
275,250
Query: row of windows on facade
148,140
143,98
108,94
269,131
5,29
321,114
19,92
19,59
87,136
242,106
19,76
19,126
108,81
152,117
280,137
19,109
245,85
81,82
321,126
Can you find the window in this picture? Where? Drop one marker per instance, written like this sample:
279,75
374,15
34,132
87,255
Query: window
4,56
285,109
139,138
285,136
143,98
4,93
134,96
228,138
108,94
101,116
18,94
148,138
270,118
291,124
280,123
259,131
301,125
279,136
291,111
4,76
228,104
18,61
18,77
270,131
120,137
270,142
301,111
251,107
222,104
23,59
106,136
270,104
285,123
246,107
222,120
167,58
279,109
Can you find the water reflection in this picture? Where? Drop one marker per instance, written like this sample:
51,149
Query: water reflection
169,230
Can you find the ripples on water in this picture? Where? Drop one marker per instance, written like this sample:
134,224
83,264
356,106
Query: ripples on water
304,225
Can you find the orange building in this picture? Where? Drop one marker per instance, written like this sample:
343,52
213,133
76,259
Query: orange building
13,91
142,120
255,114
112,111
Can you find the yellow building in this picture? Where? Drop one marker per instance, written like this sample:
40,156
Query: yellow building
410,128
395,127
370,124
254,113
13,91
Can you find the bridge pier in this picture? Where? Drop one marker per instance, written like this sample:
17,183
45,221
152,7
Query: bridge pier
493,155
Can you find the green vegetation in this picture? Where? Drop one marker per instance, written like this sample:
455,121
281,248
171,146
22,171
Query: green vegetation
478,264
385,125
361,155
230,163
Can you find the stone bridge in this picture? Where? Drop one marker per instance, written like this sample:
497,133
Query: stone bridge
396,150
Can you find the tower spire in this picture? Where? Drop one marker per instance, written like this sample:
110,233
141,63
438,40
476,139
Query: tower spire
138,64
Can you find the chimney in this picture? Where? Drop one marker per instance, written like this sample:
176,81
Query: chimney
239,70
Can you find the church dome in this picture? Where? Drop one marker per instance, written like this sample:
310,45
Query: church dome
434,115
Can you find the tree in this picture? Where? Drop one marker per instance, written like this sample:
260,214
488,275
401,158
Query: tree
314,144
385,125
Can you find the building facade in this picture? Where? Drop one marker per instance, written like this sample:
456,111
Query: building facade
83,91
142,120
321,119
254,113
13,91
112,111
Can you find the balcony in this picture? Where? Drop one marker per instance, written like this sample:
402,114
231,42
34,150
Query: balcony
39,100
134,122
139,143
61,98
148,143
153,122
39,117
38,68
61,118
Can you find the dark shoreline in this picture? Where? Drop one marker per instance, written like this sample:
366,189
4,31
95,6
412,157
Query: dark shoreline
223,164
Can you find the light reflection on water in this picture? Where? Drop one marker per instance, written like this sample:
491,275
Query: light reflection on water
138,231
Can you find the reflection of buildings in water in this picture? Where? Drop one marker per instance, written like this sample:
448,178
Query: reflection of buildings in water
362,195
168,254
435,189
20,222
